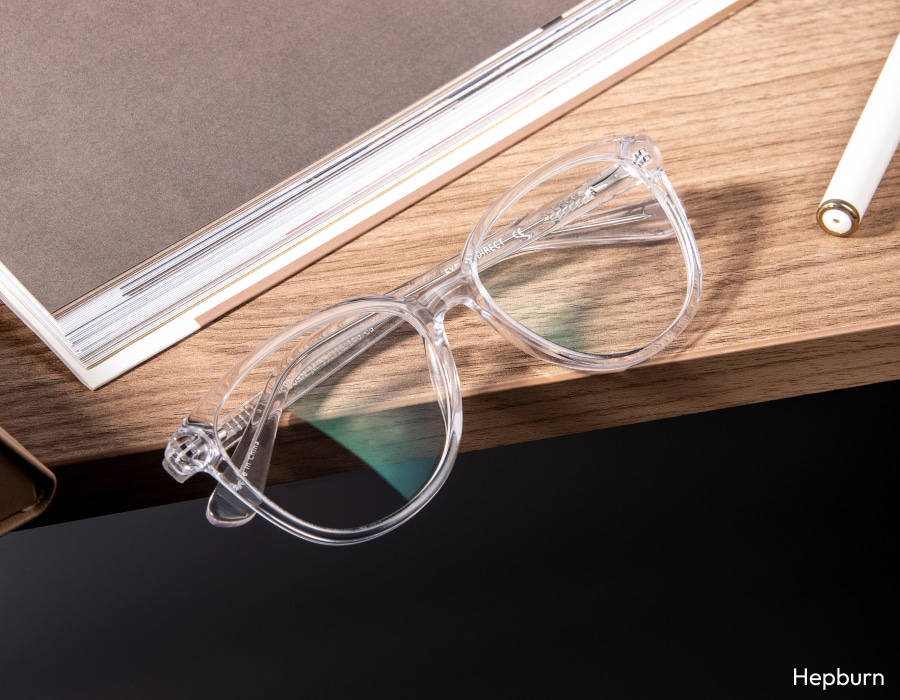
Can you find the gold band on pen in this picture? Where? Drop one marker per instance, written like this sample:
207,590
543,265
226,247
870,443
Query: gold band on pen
840,205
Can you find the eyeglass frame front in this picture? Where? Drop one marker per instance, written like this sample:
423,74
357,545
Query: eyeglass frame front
199,446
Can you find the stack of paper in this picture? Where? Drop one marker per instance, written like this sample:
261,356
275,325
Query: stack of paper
120,198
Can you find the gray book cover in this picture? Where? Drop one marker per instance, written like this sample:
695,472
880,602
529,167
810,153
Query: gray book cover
126,127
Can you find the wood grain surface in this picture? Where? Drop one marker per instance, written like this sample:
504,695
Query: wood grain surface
751,116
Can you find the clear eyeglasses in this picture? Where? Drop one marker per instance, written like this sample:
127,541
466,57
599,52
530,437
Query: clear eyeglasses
343,425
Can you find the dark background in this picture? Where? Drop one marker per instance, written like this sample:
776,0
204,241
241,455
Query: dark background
701,556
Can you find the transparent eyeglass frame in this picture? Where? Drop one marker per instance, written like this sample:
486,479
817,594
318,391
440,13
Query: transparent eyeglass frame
342,332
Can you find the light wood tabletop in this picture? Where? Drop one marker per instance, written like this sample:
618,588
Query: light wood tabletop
752,117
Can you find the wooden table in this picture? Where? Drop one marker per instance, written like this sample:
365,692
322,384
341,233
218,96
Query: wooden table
751,116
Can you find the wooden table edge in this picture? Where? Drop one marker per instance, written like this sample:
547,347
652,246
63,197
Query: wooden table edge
688,382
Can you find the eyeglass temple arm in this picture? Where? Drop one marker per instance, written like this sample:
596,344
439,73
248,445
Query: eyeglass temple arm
628,223
618,225
606,229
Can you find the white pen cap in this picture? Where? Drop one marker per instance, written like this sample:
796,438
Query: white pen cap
867,155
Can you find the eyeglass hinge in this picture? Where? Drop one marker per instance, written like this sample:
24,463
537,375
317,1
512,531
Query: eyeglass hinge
641,157
192,449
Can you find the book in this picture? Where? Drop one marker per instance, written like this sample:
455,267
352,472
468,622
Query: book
170,161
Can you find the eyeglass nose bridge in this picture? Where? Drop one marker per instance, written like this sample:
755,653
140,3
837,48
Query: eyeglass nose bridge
456,288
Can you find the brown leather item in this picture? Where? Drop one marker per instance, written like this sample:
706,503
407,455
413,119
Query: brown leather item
26,485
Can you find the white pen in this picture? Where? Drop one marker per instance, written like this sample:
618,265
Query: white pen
868,154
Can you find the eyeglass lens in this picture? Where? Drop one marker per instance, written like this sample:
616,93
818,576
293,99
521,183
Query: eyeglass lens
602,272
353,446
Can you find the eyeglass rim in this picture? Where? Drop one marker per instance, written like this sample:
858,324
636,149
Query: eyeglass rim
622,151
200,424
423,320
